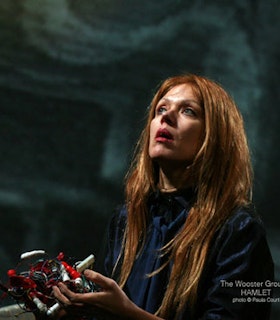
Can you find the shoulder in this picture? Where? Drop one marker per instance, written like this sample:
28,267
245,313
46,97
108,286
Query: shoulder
237,253
120,215
118,222
242,217
242,241
243,224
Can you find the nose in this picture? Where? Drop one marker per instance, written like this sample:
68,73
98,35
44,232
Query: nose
169,117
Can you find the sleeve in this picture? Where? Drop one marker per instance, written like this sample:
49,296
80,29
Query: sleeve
235,281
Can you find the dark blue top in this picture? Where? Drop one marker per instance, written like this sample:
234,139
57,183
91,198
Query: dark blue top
239,253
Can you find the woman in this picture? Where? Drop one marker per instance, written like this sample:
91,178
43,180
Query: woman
187,235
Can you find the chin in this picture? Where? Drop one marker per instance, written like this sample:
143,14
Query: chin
161,153
160,158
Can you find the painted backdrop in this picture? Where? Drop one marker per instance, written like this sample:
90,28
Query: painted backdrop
76,78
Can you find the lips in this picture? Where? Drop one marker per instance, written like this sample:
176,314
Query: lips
163,135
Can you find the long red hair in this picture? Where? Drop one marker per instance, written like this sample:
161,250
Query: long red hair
223,181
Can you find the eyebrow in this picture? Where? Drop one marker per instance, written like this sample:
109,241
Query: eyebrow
183,101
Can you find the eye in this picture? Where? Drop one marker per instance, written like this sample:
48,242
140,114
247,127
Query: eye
160,110
188,111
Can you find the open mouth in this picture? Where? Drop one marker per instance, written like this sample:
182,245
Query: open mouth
163,135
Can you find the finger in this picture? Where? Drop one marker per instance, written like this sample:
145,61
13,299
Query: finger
63,300
68,298
99,279
64,289
72,297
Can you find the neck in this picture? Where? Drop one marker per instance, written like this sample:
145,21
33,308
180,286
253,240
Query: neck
170,181
167,190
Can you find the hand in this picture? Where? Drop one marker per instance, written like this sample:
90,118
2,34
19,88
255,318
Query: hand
111,298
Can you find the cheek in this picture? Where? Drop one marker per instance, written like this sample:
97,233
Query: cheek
199,140
152,143
153,130
193,139
151,133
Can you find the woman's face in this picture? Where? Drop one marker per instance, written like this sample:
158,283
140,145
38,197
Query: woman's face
177,129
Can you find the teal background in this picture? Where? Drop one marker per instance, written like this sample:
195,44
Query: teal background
76,78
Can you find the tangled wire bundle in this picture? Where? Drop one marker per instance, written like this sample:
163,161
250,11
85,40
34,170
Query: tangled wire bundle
33,288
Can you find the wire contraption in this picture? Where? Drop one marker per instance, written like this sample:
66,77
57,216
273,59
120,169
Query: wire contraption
33,287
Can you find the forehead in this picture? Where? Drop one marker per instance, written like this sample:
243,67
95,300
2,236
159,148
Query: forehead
184,90
181,92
